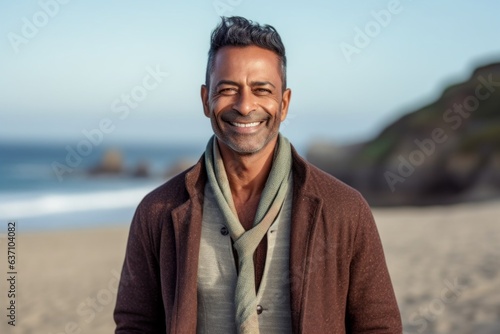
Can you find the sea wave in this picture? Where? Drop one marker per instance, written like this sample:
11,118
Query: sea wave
31,205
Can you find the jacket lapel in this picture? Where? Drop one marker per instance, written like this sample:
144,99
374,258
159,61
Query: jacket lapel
305,212
186,221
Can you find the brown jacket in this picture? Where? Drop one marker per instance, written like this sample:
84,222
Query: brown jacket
338,275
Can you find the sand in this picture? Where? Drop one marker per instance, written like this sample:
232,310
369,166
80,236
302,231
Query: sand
445,266
444,263
67,281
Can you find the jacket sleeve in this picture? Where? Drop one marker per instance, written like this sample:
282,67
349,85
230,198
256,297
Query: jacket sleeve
139,307
371,303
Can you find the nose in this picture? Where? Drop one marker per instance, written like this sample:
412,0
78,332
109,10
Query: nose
245,102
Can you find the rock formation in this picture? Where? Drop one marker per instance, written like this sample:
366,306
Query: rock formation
445,152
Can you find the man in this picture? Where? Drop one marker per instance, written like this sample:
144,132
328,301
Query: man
253,238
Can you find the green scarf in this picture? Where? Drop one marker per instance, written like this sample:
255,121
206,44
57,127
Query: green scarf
246,242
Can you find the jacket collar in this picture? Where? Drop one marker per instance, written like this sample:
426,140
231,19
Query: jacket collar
196,177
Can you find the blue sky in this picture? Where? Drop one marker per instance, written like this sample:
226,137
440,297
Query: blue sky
63,76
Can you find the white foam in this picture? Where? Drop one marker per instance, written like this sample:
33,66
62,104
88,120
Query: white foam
17,207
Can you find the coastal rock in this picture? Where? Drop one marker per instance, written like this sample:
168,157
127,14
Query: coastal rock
111,163
178,167
141,170
445,152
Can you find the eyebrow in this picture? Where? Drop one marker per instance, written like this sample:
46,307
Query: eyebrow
226,82
261,83
253,83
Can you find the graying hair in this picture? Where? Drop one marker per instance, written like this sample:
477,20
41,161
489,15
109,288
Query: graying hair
238,31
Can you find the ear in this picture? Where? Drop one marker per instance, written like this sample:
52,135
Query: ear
285,102
204,99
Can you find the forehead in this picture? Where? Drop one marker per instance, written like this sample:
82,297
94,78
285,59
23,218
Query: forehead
247,60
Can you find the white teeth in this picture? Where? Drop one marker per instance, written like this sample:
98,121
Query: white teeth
245,125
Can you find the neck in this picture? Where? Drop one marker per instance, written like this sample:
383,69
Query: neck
247,173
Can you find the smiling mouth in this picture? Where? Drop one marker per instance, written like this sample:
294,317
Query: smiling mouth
244,125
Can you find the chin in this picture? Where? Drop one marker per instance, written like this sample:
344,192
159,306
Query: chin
248,148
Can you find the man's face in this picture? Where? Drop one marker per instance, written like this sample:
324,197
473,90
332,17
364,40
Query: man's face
246,102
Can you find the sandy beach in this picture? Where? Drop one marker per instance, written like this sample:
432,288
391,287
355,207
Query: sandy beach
445,266
444,263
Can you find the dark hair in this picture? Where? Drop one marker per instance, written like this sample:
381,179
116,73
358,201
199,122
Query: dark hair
238,31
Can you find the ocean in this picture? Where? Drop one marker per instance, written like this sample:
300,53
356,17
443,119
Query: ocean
39,196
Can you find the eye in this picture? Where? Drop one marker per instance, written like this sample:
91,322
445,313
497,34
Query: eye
228,91
263,91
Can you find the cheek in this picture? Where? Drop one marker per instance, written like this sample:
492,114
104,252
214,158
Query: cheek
273,107
220,105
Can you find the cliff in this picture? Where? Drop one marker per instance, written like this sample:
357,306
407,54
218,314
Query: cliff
445,152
